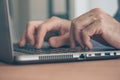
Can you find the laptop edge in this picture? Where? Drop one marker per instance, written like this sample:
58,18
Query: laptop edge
6,52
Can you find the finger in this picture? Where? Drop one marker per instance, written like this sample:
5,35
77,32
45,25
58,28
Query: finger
22,41
59,41
72,38
78,38
77,25
30,34
88,32
41,32
53,24
30,31
86,40
85,19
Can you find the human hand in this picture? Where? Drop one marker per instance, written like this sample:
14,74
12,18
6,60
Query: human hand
36,31
92,23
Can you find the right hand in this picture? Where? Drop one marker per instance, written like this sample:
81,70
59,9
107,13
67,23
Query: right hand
95,23
36,31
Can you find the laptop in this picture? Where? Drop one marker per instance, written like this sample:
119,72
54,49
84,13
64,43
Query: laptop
12,53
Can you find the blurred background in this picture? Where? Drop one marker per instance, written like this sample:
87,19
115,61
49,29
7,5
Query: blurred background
23,11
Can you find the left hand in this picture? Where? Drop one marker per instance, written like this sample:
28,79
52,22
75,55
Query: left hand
36,31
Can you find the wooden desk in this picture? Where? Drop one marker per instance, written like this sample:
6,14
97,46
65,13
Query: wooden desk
92,70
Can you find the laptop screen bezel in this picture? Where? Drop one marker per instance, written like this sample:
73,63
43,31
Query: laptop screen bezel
6,47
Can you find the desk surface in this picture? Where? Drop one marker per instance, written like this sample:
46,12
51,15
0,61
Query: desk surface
91,70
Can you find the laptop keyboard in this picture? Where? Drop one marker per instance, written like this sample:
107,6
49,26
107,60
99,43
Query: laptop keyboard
32,50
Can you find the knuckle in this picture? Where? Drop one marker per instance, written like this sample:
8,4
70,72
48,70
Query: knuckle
97,10
101,20
77,29
74,21
53,43
77,23
29,23
84,32
74,24
54,18
42,27
98,13
100,17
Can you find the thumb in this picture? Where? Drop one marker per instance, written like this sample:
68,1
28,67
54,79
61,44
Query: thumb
59,41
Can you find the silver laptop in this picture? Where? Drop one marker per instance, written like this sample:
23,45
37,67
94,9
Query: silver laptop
12,53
